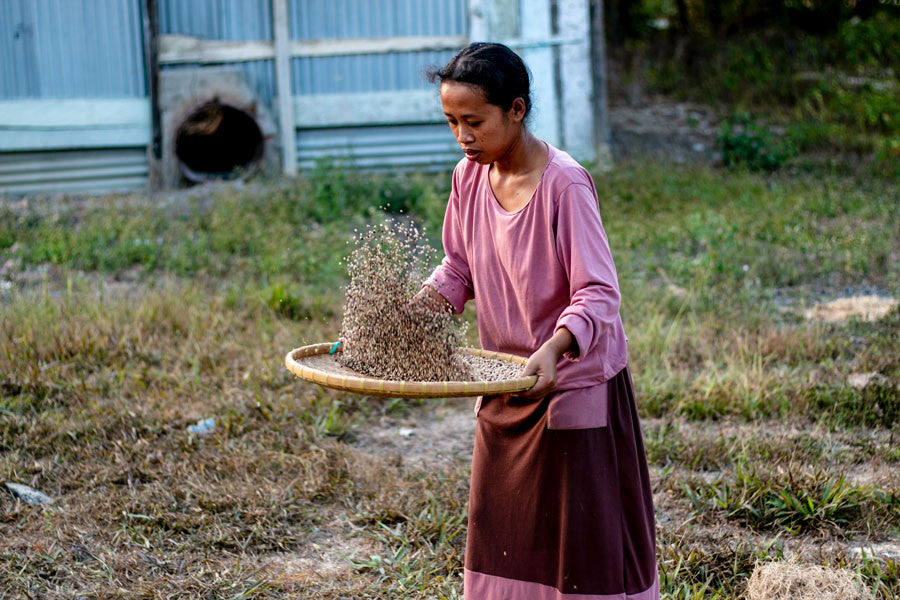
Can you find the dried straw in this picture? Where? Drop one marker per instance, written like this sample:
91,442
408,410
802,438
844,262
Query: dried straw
866,308
789,580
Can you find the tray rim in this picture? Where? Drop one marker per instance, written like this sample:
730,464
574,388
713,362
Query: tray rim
369,386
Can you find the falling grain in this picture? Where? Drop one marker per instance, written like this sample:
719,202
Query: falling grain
385,332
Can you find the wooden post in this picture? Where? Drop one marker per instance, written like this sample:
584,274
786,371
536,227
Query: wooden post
151,65
284,87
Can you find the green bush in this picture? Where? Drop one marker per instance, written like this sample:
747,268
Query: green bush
869,106
745,142
887,159
869,42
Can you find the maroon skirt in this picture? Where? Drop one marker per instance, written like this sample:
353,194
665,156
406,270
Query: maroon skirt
560,514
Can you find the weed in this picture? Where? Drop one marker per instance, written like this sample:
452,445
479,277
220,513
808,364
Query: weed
745,142
887,159
793,502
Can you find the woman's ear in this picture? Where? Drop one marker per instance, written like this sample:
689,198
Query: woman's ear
517,110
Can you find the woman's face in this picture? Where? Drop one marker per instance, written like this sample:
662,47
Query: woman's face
484,131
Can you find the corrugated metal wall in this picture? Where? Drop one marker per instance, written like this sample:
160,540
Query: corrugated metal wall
246,20
416,144
71,49
231,20
70,52
342,19
77,50
72,171
387,145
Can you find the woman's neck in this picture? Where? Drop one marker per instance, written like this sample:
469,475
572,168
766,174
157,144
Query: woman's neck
525,154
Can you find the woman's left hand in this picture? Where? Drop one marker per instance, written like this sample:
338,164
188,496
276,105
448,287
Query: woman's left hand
543,363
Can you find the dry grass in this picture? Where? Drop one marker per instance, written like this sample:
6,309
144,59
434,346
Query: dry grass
305,492
792,581
867,308
96,400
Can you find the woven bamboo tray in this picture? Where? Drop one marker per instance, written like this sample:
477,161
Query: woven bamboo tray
314,364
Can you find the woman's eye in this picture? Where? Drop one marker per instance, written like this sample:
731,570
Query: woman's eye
474,123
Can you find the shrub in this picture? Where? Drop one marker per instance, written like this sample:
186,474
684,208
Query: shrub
745,142
887,159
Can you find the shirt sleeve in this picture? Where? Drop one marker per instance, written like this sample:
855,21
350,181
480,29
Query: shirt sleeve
452,278
583,250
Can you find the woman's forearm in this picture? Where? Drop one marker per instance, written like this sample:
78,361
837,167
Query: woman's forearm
562,341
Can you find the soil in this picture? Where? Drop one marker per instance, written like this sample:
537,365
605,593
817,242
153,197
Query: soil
426,440
333,548
680,132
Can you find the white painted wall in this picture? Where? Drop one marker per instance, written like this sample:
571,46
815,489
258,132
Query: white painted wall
560,64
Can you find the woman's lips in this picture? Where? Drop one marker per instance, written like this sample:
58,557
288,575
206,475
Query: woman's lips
470,154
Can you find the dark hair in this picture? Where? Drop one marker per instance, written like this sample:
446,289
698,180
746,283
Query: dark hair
494,68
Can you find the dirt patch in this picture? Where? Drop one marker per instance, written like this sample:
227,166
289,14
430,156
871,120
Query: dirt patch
681,132
329,553
884,550
427,439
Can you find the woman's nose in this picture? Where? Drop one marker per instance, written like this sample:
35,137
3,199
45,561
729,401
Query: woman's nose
464,135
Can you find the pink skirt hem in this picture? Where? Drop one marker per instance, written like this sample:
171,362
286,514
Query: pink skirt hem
480,586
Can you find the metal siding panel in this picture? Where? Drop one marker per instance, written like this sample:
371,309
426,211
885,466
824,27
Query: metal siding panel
365,73
232,20
379,147
342,19
73,171
316,19
59,52
385,146
17,32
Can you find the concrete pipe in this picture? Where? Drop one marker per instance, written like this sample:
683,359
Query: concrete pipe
218,141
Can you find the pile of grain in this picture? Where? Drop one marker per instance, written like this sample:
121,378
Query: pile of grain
385,333
490,369
792,581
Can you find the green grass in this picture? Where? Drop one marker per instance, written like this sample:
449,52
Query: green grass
109,349
792,502
291,235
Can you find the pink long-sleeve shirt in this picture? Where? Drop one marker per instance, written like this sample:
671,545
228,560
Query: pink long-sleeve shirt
545,266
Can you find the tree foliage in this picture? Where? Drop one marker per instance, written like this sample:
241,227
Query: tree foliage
631,20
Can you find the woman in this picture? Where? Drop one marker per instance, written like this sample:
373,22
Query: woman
560,502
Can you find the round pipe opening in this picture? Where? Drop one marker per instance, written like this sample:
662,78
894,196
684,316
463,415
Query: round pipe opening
218,142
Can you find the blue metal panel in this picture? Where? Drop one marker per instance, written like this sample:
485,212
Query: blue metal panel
237,20
393,146
233,20
419,146
71,49
365,73
94,49
343,19
230,20
73,171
